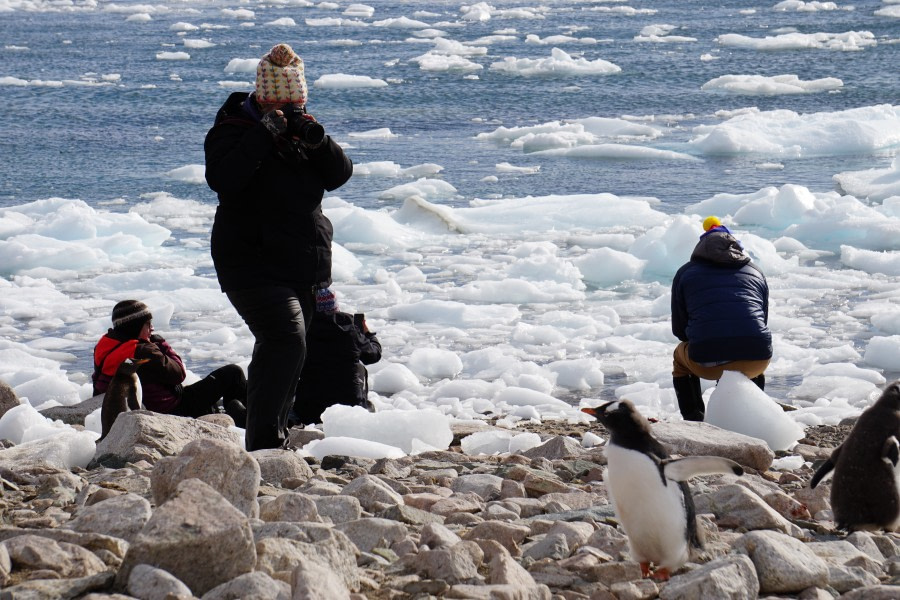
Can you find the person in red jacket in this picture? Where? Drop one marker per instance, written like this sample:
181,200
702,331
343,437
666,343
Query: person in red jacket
163,374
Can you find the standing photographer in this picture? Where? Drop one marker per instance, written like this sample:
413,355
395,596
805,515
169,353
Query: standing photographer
270,163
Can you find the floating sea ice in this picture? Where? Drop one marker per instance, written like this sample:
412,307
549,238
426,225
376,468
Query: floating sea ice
348,446
392,427
738,405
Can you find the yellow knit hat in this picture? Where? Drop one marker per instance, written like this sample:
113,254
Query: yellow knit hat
280,77
710,222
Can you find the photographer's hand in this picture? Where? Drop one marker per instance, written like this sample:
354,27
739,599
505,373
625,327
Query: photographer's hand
275,122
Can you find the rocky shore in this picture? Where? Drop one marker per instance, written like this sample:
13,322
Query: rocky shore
172,508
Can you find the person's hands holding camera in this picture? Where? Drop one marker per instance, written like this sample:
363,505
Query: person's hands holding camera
275,122
302,127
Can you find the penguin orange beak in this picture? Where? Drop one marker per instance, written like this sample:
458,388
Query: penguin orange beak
590,411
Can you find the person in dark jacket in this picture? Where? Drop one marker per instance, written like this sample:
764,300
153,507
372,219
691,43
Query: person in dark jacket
163,374
338,346
720,312
271,242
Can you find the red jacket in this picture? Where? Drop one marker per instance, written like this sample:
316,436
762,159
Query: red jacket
160,377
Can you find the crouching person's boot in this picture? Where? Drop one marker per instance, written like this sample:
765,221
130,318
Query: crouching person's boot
760,381
690,397
235,409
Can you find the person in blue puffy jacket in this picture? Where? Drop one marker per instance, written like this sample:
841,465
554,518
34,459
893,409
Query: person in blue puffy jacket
720,312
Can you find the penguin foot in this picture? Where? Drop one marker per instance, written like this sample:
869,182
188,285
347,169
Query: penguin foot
645,569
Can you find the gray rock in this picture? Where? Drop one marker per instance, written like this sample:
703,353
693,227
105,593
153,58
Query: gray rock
339,509
145,435
59,589
409,515
553,546
290,506
35,553
736,506
196,526
8,398
226,467
865,541
276,465
453,565
783,564
370,533
691,438
485,485
498,592
149,583
875,592
311,581
556,448
373,494
95,542
844,579
732,577
255,585
280,546
75,413
5,566
435,535
509,535
842,553
121,516
577,534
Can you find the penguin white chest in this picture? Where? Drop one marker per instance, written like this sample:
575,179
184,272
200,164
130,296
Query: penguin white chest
650,509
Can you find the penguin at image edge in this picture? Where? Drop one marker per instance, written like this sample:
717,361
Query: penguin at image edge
122,395
864,488
649,492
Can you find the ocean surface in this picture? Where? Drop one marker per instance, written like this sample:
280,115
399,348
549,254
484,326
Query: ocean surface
113,118
570,147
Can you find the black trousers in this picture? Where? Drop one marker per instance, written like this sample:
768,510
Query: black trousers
200,398
278,318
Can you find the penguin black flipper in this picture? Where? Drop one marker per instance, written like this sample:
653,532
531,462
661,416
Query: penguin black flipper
890,453
826,468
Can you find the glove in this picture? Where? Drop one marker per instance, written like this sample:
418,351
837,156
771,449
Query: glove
156,338
275,123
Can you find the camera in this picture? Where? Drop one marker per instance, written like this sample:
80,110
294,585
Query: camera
302,128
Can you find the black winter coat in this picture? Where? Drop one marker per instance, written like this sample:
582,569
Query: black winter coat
332,373
720,303
269,227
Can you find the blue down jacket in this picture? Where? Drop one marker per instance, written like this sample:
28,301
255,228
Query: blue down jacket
720,303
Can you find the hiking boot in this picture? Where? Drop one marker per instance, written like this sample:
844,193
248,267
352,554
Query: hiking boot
690,397
235,409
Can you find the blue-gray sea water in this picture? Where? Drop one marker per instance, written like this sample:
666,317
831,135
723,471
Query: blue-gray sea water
100,143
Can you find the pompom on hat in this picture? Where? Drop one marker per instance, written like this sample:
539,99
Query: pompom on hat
280,77
127,311
326,301
710,222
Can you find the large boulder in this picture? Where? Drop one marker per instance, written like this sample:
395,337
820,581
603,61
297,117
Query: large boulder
145,435
226,467
690,438
196,526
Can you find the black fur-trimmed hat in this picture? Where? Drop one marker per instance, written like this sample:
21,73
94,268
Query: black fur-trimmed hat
127,311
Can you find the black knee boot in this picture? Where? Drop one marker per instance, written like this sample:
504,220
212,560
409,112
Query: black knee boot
760,381
690,397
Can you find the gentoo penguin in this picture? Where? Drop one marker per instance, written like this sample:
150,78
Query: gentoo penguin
864,489
648,490
123,394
